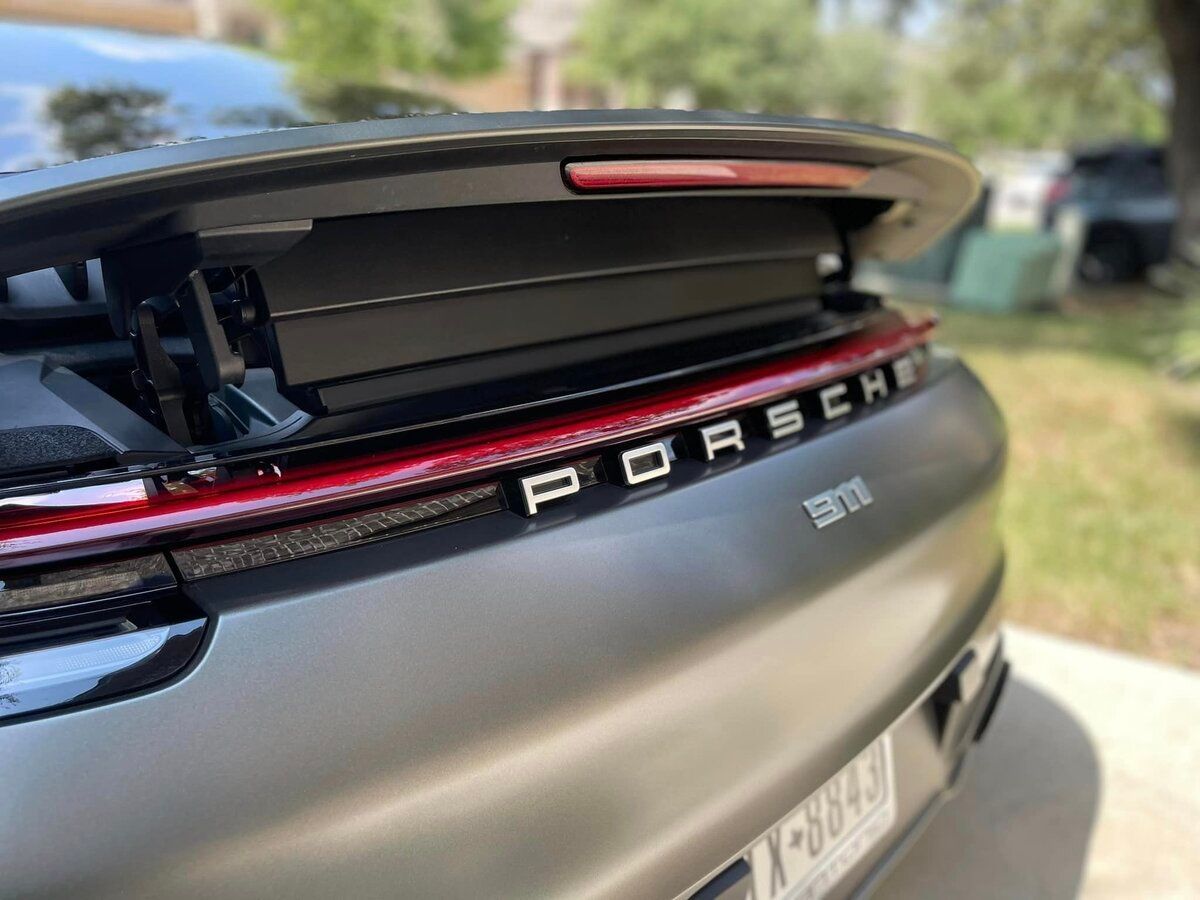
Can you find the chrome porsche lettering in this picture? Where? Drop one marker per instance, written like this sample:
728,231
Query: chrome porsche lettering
832,404
644,463
546,486
836,503
720,436
874,385
904,370
800,414
784,418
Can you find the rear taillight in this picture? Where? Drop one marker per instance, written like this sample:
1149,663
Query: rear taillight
131,515
1058,191
91,633
669,174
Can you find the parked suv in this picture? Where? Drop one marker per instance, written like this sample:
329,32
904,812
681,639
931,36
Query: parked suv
1121,193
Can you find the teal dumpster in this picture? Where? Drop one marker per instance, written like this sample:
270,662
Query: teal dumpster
999,271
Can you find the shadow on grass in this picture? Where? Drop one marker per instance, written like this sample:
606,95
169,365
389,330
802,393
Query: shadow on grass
1021,824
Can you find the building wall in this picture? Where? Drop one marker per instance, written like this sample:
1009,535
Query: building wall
533,76
157,16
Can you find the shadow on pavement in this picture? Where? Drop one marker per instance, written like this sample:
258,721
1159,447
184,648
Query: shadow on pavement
1022,821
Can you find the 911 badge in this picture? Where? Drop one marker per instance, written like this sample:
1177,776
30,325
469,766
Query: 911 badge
838,502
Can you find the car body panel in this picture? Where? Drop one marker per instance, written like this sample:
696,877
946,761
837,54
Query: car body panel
612,699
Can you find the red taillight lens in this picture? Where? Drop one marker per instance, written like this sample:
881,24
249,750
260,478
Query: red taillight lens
1058,190
50,527
669,174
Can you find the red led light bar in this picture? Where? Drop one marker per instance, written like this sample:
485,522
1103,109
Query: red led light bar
84,521
674,174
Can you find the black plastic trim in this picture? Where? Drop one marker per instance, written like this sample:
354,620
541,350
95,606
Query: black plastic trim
67,659
29,592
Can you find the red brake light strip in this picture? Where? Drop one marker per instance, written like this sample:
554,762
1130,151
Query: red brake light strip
88,521
675,174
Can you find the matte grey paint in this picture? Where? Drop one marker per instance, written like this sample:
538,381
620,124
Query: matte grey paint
612,699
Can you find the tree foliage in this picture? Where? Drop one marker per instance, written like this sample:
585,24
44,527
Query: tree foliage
726,54
767,56
107,118
363,40
1044,73
856,77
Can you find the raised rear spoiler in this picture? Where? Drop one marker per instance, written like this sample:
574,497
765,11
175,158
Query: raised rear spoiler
372,263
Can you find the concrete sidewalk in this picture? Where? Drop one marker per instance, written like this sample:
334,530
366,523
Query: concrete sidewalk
1088,784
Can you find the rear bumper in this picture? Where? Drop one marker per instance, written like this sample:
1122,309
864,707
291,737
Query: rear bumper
612,699
931,744
932,778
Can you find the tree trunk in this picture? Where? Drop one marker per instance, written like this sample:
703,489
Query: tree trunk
1179,27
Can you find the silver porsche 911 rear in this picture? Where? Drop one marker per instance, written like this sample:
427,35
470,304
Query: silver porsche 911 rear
511,506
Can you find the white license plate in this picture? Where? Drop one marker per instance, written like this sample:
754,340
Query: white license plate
805,856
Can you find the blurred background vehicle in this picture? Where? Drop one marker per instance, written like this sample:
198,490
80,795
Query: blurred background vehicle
1123,197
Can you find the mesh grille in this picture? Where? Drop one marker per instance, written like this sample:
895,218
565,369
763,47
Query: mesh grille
261,550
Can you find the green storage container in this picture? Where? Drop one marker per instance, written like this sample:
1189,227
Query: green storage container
1004,271
936,265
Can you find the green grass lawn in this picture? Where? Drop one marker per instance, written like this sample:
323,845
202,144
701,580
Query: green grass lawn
1102,507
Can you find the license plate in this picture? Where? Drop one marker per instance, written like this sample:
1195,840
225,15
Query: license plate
805,856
